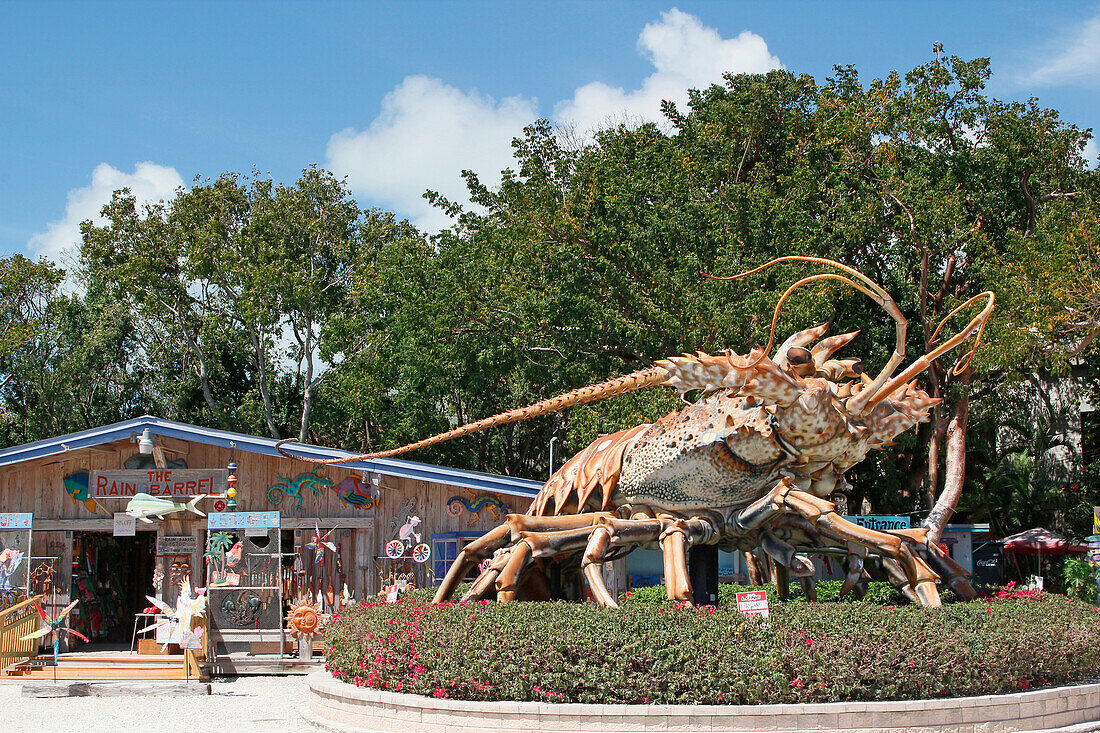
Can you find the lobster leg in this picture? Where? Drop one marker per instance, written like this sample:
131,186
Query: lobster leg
856,553
470,555
785,498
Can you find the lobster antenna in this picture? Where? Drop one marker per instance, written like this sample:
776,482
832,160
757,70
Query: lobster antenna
976,326
869,287
619,385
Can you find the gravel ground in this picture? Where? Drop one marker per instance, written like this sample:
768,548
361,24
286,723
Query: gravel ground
245,705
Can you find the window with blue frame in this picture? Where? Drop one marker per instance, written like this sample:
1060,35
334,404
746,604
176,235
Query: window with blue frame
445,548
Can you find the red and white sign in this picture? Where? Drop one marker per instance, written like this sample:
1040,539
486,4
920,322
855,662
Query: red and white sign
174,482
753,603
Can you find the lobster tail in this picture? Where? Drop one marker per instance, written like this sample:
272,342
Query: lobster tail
619,385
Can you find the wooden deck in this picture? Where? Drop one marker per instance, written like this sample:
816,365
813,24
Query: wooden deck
87,667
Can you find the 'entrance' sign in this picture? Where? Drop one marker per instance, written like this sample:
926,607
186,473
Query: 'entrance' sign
880,521
173,482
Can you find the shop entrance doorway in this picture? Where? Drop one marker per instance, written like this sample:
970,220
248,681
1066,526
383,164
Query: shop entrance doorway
111,577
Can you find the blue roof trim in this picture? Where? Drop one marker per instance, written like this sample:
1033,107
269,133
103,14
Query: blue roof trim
266,446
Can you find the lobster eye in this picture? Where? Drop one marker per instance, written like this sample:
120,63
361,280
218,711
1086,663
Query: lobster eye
798,355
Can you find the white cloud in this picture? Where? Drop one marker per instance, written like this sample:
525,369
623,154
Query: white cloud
149,183
1091,152
686,54
428,131
425,135
1076,59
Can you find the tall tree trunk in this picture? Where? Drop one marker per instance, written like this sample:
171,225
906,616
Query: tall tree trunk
204,374
955,467
265,392
307,392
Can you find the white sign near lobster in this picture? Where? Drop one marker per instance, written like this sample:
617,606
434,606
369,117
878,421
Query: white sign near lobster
753,603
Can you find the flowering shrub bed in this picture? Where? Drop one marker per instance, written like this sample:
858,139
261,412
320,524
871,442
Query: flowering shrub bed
669,654
827,590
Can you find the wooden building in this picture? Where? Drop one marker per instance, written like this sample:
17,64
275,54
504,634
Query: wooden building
366,503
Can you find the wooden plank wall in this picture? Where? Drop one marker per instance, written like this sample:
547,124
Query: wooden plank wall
37,486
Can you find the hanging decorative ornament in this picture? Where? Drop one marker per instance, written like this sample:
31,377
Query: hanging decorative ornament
304,618
395,549
421,552
232,491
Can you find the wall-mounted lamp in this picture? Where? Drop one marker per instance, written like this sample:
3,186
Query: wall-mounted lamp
145,443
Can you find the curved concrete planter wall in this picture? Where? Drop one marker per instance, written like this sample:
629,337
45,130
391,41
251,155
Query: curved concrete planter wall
339,706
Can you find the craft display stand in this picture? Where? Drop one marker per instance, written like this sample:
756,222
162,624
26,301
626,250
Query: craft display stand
251,611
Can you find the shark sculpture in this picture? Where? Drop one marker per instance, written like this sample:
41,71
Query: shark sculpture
143,506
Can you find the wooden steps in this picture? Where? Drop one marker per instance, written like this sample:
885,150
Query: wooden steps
95,667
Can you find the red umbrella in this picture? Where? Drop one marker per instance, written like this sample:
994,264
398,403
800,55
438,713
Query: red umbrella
1039,541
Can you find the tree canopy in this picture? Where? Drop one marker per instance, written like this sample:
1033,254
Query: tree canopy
289,310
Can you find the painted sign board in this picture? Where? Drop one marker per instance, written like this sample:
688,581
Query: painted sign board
16,520
242,520
753,603
879,521
125,525
182,545
181,482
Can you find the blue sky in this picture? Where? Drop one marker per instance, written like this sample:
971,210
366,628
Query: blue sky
399,97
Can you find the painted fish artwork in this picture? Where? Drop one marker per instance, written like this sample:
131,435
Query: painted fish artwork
76,484
143,506
353,491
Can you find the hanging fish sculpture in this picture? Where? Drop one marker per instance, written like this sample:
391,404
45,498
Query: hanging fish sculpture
76,484
143,506
354,492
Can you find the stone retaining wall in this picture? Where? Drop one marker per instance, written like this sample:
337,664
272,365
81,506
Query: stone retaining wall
339,706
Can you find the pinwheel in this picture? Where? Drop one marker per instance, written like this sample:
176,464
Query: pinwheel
53,626
187,608
319,543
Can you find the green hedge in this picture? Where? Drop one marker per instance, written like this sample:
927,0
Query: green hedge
667,654
827,590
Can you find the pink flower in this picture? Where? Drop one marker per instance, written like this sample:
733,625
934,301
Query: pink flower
796,683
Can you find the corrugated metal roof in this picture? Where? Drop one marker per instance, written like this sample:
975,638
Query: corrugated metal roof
265,446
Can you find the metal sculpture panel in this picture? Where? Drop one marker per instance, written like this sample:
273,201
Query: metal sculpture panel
244,582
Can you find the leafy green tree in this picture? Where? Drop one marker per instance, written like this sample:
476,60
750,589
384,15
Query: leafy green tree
922,182
26,288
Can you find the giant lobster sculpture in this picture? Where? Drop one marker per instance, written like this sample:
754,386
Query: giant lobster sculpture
748,465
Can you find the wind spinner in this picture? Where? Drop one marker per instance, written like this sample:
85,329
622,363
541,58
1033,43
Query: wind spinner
187,608
53,626
318,542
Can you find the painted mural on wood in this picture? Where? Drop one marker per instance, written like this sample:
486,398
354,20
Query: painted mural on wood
76,484
475,505
293,487
353,491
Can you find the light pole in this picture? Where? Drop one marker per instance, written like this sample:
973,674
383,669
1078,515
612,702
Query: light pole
552,454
